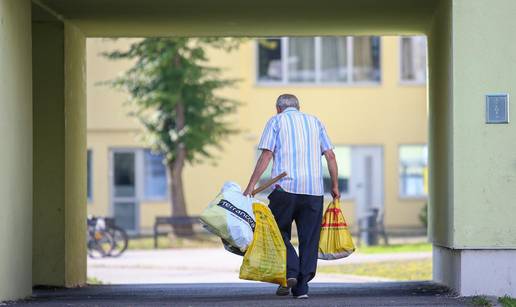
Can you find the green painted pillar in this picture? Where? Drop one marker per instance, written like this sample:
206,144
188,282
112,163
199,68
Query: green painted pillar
59,247
473,53
16,150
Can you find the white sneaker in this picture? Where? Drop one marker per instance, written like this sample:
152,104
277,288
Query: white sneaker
304,296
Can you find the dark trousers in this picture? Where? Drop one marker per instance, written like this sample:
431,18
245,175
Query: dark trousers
306,210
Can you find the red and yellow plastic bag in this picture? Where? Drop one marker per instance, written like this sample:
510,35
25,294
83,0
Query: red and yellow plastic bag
266,256
335,241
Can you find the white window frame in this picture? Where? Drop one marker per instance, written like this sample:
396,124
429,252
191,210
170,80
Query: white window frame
401,195
317,45
400,63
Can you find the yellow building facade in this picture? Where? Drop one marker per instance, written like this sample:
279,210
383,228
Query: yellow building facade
370,93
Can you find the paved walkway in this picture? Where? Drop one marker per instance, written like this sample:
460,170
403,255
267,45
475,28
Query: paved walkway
249,295
209,277
208,266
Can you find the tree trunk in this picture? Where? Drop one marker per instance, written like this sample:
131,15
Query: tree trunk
176,177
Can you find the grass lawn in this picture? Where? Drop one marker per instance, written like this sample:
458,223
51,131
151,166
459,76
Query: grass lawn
396,270
93,281
395,248
206,240
507,301
198,241
483,301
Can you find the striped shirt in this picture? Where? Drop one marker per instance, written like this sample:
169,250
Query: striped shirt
297,141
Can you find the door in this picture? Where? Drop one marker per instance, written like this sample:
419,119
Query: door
124,200
367,170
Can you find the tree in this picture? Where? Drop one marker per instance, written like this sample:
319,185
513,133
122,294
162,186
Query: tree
173,94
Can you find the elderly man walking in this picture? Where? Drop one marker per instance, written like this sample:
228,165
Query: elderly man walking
296,141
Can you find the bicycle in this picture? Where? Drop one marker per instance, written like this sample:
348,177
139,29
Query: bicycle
100,242
120,238
105,238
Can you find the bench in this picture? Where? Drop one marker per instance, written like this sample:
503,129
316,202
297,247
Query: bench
373,227
172,221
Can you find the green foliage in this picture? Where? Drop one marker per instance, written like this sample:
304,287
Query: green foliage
94,281
507,301
172,72
481,301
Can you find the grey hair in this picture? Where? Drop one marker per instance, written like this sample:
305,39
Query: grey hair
286,101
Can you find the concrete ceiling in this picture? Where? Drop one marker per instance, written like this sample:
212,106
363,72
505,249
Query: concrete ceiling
244,18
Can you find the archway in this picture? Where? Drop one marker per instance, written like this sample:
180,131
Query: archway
471,167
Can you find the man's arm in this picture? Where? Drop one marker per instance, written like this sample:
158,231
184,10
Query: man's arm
334,173
261,166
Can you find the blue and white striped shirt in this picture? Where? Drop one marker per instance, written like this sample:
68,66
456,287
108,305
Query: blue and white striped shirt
298,141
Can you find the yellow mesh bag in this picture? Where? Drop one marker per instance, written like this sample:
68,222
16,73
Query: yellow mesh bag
266,257
335,241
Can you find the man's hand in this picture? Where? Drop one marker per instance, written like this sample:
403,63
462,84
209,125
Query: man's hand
248,191
335,193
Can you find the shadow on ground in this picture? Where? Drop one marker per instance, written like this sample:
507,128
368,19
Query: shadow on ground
249,294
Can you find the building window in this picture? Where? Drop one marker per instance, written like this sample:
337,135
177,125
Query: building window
413,170
319,60
334,61
343,156
269,60
301,59
155,176
89,175
413,59
366,59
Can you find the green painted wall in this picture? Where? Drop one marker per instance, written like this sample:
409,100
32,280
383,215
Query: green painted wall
49,152
16,149
136,18
75,156
59,154
473,165
484,182
440,122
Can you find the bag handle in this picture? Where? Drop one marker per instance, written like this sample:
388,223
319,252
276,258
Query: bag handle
268,183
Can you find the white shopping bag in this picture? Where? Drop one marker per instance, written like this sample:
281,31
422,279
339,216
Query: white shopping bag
230,216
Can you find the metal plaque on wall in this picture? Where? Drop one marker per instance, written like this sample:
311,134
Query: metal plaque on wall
497,108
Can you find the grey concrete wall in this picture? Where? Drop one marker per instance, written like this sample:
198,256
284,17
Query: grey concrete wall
476,271
16,149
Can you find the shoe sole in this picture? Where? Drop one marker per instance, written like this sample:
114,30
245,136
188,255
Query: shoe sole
291,282
283,292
